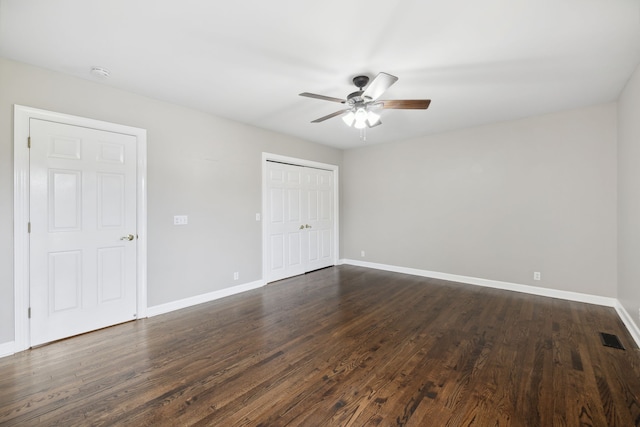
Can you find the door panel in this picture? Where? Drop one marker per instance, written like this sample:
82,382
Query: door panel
83,202
65,278
65,200
277,253
111,281
111,200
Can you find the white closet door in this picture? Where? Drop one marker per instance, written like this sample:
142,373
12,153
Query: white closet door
286,250
83,230
299,220
319,221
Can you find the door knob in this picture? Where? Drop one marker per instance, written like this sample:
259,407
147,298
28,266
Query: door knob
127,237
302,227
307,226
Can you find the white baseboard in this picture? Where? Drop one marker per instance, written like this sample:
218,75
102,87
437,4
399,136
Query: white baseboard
199,299
534,290
7,348
627,319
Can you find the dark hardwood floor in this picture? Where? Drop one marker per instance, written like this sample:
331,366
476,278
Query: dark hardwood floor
344,346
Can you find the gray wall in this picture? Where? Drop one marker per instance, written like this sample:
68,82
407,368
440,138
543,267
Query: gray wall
200,165
629,197
495,202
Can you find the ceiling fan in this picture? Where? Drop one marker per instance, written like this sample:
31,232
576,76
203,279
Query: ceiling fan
362,103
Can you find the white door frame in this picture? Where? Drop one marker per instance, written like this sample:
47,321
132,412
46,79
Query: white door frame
336,198
22,117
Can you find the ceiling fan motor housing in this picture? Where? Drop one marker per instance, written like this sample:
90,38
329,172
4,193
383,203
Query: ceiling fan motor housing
355,97
360,81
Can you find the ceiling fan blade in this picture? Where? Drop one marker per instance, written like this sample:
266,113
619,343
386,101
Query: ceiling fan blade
326,98
407,104
376,88
322,119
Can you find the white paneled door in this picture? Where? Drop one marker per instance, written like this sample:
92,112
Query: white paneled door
318,213
299,219
83,229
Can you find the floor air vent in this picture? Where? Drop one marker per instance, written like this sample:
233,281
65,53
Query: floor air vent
610,340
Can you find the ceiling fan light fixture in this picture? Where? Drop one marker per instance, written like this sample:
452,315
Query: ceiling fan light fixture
360,118
360,124
349,118
361,114
372,118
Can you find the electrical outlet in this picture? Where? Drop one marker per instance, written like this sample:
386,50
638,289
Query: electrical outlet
257,217
362,254
236,275
536,275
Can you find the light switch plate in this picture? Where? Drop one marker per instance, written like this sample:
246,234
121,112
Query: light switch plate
180,220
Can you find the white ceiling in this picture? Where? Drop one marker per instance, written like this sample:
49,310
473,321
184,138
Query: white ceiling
480,61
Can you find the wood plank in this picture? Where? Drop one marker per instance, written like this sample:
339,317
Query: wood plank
345,346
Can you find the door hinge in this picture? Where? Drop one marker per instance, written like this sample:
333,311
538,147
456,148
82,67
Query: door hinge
29,227
29,313
29,142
